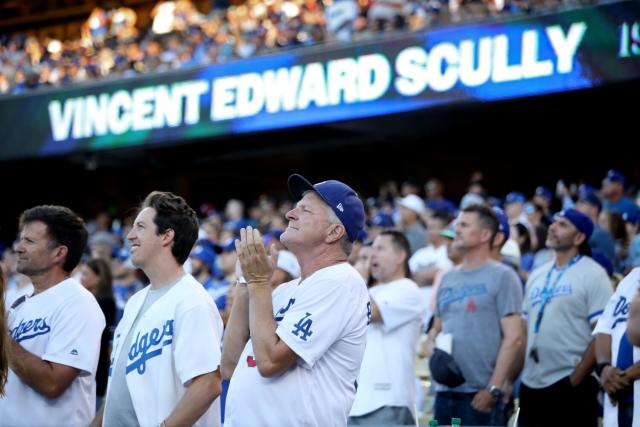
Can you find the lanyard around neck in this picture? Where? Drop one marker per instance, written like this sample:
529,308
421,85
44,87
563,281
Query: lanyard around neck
548,289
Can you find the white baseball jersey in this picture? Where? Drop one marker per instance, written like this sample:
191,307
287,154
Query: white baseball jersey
62,325
614,322
323,319
176,340
387,375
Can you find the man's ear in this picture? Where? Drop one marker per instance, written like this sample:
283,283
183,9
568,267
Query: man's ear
335,232
168,236
60,254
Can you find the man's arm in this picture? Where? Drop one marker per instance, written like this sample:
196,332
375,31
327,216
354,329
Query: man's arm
97,421
510,351
47,378
424,276
612,379
201,392
236,333
376,317
273,355
430,343
585,366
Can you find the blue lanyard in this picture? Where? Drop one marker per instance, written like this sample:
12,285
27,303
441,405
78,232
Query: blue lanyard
547,290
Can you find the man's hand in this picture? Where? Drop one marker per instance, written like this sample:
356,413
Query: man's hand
483,401
256,266
613,380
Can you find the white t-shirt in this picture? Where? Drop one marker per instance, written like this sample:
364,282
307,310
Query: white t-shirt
430,257
62,325
288,262
176,340
323,319
387,375
614,322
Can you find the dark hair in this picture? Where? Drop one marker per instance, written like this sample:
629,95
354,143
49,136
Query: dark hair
4,337
523,231
102,269
487,219
173,212
64,228
400,243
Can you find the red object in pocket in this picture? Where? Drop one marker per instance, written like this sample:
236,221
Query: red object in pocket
251,362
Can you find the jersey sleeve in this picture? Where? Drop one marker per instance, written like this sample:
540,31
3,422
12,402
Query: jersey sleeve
509,297
318,317
76,330
600,291
198,340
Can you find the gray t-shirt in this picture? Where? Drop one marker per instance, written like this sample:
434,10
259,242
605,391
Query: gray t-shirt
578,299
120,411
471,304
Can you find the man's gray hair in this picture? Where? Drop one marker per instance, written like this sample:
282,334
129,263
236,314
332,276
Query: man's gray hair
345,243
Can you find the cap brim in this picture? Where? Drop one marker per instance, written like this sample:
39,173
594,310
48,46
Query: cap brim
298,185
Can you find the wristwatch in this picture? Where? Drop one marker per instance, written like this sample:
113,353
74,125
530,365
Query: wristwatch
495,391
600,367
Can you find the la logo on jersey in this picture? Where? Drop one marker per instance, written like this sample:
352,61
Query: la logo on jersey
30,329
303,327
141,349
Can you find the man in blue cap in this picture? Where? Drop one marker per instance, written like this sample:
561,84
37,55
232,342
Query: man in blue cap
591,205
293,354
613,186
563,301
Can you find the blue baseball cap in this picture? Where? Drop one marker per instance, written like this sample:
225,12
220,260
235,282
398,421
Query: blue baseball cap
204,253
632,218
503,223
342,199
615,176
603,260
544,192
382,219
227,246
592,199
585,189
582,222
515,197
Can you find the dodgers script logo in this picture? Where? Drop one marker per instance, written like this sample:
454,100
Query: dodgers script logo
140,352
620,312
450,295
30,329
539,293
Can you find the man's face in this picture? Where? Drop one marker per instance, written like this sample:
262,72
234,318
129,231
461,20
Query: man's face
385,259
35,250
145,242
434,227
562,235
469,233
308,222
513,210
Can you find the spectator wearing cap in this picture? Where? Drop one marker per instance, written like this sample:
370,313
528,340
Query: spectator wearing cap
221,286
307,334
618,361
590,205
427,262
633,230
203,268
411,210
514,207
543,197
434,189
613,187
386,386
381,221
563,301
478,305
